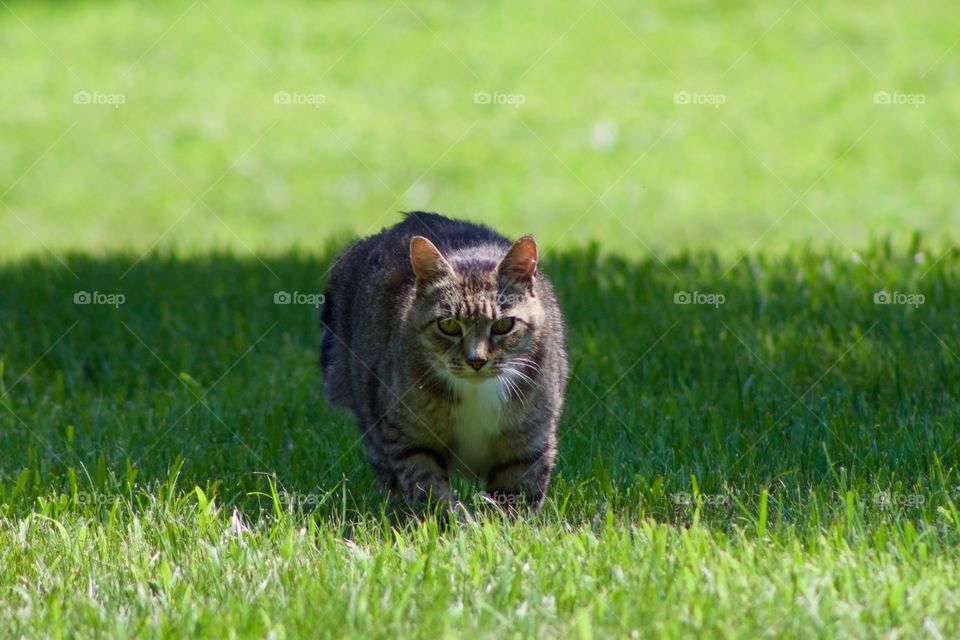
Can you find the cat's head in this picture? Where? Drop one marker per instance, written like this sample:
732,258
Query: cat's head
475,311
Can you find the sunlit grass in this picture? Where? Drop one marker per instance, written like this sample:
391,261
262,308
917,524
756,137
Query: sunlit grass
782,463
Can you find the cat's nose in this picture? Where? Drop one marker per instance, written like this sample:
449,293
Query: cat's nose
476,363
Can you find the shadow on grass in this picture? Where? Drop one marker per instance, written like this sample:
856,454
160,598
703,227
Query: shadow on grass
779,371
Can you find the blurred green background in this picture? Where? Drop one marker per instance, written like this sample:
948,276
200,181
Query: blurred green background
646,127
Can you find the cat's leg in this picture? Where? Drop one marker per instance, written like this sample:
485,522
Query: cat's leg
520,482
379,458
414,474
422,476
386,479
376,443
388,490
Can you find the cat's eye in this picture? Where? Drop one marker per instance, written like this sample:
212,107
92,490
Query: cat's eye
449,326
502,326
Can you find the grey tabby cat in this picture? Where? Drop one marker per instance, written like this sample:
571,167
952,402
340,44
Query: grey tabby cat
449,347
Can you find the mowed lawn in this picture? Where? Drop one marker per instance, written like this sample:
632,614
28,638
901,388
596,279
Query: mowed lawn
783,463
747,212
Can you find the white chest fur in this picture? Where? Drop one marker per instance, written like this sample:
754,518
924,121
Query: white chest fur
477,420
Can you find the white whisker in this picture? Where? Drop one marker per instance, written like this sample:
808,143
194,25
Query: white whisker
526,362
521,374
514,387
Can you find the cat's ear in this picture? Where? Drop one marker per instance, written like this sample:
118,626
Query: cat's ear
429,265
520,263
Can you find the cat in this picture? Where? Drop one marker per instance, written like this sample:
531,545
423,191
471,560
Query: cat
449,346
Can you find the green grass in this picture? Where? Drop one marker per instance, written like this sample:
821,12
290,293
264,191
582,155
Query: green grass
784,464
399,128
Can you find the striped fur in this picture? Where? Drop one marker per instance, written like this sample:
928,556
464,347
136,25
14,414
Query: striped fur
424,408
